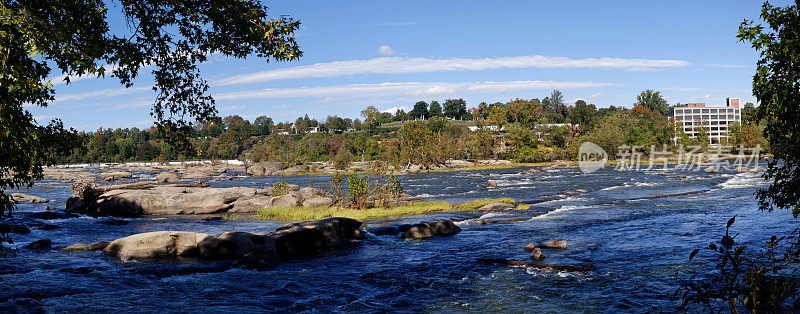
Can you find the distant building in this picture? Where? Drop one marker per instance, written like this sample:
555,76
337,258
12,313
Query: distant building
716,120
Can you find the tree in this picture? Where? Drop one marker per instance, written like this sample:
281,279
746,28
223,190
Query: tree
371,116
653,101
301,125
554,107
583,115
171,37
335,124
748,112
263,125
420,110
775,86
455,108
435,109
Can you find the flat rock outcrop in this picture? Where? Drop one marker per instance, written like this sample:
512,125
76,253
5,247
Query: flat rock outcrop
168,177
297,240
159,201
25,198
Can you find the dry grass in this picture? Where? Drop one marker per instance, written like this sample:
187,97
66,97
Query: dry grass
299,213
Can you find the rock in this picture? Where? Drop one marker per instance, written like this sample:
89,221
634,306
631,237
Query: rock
251,204
661,174
537,254
51,215
286,200
497,206
160,200
10,227
25,198
681,176
491,183
96,246
582,191
569,193
304,239
115,175
428,230
554,244
317,201
309,192
157,244
529,247
295,169
711,169
168,177
212,218
39,244
49,208
533,170
263,169
292,241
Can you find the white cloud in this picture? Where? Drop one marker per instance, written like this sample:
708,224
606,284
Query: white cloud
393,110
405,88
111,92
405,65
385,50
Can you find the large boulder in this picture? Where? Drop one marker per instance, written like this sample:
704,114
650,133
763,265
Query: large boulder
292,241
554,244
497,206
317,201
286,200
157,244
295,169
25,198
427,230
168,177
251,204
263,169
160,200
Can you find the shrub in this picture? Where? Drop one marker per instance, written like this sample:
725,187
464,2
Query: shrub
280,188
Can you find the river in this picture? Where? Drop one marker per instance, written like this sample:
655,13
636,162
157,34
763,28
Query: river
637,244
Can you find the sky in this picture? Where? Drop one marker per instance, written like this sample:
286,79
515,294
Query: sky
390,54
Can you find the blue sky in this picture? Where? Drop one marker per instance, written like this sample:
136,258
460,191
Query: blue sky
390,54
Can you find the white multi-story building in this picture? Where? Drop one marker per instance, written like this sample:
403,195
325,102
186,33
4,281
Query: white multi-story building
716,120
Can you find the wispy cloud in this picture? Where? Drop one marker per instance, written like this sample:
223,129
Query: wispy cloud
409,23
111,92
405,65
416,89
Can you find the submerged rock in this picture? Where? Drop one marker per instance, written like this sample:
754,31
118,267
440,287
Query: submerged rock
51,215
554,244
529,247
496,206
428,230
39,244
12,227
711,169
96,246
491,183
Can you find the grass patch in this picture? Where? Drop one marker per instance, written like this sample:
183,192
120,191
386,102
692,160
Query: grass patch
299,213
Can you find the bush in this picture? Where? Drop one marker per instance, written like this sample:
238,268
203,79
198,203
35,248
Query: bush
280,188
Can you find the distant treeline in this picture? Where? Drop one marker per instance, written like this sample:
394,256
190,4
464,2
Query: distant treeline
429,134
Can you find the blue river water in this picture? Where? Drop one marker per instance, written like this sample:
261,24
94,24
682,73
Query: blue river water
638,243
